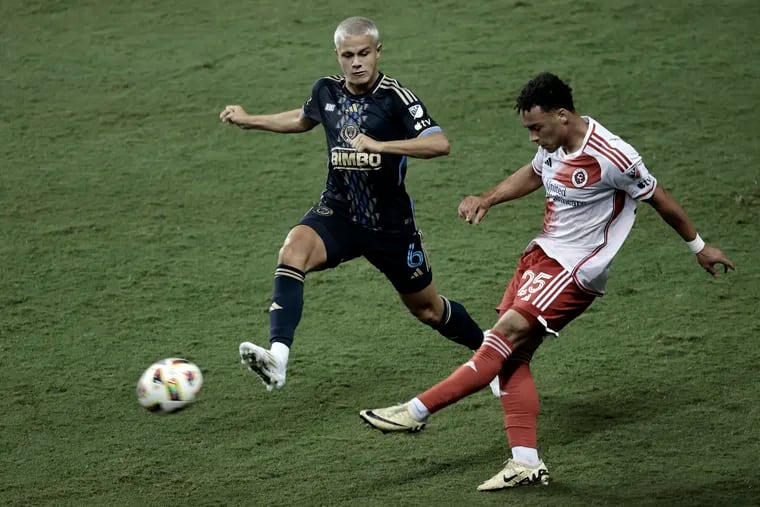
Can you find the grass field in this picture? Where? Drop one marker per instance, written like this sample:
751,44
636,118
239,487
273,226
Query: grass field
134,226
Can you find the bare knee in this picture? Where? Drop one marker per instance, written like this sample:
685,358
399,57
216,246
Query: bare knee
426,305
426,314
293,254
303,249
515,328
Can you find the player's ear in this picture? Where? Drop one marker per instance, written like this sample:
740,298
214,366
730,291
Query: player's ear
378,48
562,114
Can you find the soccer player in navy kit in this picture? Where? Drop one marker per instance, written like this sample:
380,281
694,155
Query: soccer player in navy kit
372,125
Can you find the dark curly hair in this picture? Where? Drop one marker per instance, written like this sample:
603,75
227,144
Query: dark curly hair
546,91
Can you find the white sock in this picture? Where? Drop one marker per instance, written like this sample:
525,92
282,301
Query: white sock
281,352
525,455
418,409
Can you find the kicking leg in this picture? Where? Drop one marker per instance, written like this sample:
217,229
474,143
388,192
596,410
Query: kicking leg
469,378
303,251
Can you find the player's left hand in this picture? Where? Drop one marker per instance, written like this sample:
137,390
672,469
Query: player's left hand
709,256
365,144
473,209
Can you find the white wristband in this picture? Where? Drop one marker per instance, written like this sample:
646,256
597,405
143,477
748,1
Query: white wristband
696,245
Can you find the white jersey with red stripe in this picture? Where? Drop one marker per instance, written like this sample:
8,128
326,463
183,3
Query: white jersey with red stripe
591,198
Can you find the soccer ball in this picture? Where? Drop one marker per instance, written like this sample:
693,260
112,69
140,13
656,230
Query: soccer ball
169,385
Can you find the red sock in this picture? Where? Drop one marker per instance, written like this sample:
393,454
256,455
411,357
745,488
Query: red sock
472,376
520,406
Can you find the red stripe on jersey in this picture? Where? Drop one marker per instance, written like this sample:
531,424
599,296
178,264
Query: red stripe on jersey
618,162
606,144
567,170
593,129
617,208
613,149
612,156
615,155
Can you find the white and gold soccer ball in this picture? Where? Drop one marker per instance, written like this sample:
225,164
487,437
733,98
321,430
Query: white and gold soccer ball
169,385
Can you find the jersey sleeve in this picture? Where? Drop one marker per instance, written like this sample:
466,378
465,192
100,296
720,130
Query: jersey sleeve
310,108
635,180
538,160
625,170
414,115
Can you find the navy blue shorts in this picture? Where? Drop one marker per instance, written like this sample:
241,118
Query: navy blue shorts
400,257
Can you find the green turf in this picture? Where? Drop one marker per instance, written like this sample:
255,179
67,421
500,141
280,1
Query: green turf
134,226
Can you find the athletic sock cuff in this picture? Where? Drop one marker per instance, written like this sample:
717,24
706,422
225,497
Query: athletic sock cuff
496,340
290,272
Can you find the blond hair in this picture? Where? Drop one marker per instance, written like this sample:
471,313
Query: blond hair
356,25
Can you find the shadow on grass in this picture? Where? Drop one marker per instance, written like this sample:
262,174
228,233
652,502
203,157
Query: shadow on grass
578,416
733,491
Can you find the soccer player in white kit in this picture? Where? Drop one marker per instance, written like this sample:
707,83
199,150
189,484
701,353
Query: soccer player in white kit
593,181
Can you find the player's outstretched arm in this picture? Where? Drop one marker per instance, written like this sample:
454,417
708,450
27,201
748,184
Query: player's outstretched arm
424,146
520,183
288,122
674,215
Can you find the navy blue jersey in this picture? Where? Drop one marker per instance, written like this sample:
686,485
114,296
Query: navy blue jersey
368,188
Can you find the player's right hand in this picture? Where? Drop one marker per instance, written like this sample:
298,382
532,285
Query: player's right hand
709,256
473,209
233,115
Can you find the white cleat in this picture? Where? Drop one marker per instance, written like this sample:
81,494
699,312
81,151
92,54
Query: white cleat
395,418
264,364
516,474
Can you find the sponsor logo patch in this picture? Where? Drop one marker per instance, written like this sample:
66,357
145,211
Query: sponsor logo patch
351,160
645,182
422,124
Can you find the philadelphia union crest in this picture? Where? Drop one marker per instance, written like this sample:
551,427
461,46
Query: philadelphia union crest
349,131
